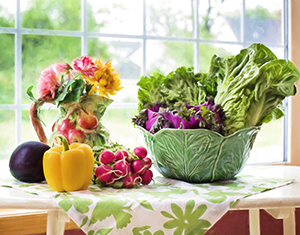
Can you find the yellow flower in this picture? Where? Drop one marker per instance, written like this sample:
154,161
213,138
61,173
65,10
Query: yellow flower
105,82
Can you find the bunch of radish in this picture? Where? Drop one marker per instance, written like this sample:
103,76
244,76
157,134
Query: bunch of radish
121,168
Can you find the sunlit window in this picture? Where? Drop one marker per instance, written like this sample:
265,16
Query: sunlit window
139,37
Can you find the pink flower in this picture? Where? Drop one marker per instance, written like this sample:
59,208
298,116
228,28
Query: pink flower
49,80
85,65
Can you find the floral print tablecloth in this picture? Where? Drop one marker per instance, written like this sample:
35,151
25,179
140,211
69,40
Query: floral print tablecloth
165,207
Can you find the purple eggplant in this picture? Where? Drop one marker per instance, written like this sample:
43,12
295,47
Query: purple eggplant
26,162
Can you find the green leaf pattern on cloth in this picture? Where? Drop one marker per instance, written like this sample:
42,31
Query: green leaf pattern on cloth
187,222
166,207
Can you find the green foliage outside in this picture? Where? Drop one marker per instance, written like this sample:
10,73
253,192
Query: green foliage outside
40,51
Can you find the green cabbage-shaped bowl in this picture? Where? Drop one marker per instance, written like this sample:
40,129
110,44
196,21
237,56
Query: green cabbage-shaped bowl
199,155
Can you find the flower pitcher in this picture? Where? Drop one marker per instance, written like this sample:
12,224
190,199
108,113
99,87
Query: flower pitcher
81,93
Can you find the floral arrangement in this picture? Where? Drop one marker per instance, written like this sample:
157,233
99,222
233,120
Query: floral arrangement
82,93
62,82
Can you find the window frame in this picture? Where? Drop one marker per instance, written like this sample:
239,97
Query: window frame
291,51
294,127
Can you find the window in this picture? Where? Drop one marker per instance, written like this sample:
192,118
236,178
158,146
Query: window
139,37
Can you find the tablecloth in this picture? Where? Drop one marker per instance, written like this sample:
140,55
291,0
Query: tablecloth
164,207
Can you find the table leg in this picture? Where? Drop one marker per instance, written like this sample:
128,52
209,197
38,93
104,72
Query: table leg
288,216
56,221
254,222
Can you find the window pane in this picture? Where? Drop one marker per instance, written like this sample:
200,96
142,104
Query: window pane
264,21
53,14
118,16
7,73
118,122
166,56
170,18
206,52
220,20
7,13
268,146
39,52
7,134
126,57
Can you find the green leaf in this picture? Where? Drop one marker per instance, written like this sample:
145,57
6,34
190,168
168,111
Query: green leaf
138,230
171,224
252,85
82,204
30,94
65,204
103,231
189,208
146,204
177,210
108,206
167,214
61,95
84,221
159,232
178,231
197,213
91,232
219,196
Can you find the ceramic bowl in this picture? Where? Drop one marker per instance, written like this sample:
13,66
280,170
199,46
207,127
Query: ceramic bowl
199,155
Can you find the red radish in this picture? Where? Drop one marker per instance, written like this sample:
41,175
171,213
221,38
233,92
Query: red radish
147,177
131,180
121,168
141,152
103,172
121,154
112,179
106,157
147,161
129,158
139,167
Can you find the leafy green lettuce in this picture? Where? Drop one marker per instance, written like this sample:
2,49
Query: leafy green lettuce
179,85
252,85
249,86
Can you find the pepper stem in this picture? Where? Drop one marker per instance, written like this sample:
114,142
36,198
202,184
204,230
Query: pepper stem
64,142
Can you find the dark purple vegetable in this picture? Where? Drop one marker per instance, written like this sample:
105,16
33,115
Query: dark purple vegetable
207,115
25,163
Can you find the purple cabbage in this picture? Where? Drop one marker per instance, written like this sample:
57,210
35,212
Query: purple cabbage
183,116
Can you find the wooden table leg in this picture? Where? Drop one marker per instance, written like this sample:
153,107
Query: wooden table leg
56,220
288,216
254,222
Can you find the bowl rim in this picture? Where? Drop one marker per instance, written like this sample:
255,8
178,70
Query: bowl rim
161,132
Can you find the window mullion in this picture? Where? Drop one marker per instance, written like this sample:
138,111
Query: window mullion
286,120
18,74
144,38
196,35
243,22
84,28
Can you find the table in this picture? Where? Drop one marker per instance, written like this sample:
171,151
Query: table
280,202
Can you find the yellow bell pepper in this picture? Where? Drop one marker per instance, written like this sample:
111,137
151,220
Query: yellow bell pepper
68,167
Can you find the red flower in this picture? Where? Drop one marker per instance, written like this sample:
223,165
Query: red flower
85,65
49,80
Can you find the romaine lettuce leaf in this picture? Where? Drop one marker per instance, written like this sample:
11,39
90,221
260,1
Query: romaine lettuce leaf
252,86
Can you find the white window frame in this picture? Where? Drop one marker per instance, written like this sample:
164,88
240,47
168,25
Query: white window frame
291,50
